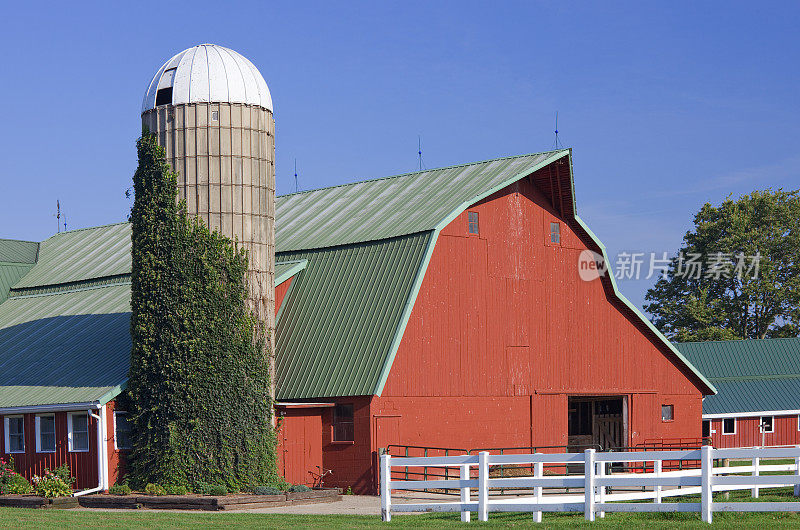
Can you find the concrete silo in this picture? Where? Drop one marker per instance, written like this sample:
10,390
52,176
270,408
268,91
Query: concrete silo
212,112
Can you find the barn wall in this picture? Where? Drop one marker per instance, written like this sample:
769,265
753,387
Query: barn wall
748,434
504,329
280,293
83,465
351,463
116,458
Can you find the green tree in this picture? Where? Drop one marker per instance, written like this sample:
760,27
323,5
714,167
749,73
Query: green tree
198,386
734,296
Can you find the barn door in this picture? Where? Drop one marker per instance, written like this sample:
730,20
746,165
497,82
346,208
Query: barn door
596,421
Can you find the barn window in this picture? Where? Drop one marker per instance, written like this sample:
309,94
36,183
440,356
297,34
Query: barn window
45,434
15,434
343,423
555,232
122,431
667,412
473,222
729,426
706,428
798,423
78,431
767,424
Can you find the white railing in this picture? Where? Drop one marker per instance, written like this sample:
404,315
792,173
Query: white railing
595,482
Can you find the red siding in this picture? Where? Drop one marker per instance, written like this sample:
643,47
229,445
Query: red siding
280,293
83,465
504,330
351,462
748,434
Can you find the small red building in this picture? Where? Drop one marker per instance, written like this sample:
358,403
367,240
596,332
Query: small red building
758,398
445,309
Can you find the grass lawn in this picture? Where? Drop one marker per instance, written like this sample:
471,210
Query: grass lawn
29,518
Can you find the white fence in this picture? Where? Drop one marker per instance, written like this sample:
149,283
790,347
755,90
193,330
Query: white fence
595,482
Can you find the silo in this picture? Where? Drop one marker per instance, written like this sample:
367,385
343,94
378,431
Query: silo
212,112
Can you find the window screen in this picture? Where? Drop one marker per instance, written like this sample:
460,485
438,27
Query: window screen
555,233
667,412
729,426
47,434
80,432
766,423
473,223
343,423
16,435
122,430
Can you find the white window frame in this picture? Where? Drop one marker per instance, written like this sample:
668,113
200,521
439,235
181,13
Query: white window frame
772,424
70,447
6,427
116,445
798,422
734,427
39,433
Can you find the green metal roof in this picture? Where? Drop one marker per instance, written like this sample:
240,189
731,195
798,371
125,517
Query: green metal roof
14,251
750,375
339,322
10,274
286,269
393,206
65,328
80,255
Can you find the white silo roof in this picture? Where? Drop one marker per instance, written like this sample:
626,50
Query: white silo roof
209,73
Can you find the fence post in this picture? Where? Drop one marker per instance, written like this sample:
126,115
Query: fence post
483,486
756,473
797,473
601,490
386,491
465,495
538,472
706,493
657,468
588,484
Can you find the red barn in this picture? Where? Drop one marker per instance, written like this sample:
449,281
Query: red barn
439,308
445,308
758,399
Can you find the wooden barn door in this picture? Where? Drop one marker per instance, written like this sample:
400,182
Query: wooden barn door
596,421
300,449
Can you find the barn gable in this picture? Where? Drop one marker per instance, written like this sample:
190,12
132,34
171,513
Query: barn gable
365,213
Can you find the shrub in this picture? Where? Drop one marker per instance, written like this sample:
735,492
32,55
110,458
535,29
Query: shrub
155,489
119,489
173,489
63,473
299,488
266,490
50,485
348,491
16,484
218,489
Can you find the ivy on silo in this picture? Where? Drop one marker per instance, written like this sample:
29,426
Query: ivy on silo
198,388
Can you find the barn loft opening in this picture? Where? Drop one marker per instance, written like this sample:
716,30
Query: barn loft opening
164,96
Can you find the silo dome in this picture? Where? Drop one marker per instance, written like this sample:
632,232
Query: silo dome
207,73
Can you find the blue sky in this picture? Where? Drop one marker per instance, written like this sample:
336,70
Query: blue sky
666,106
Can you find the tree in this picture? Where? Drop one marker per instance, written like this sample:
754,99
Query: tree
738,273
198,387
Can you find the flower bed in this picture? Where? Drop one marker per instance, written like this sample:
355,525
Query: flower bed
208,502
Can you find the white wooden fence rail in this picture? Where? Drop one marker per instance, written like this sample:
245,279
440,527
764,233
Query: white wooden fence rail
595,500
